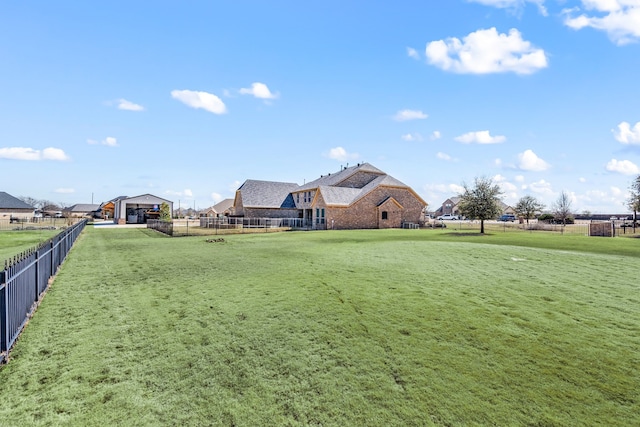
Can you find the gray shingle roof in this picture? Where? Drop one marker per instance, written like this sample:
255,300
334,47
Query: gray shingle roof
267,194
347,196
333,179
223,205
7,201
83,207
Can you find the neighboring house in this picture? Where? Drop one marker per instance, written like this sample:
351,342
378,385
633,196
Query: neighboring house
222,208
107,209
136,210
356,197
506,209
451,206
80,210
12,207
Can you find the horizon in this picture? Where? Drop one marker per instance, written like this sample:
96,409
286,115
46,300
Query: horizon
188,101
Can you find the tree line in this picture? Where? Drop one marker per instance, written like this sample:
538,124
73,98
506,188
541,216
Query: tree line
481,201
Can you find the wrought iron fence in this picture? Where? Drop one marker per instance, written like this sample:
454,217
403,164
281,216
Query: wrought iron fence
226,225
24,280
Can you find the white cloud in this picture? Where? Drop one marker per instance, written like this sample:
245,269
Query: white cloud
197,99
513,4
412,137
486,51
443,156
259,90
531,162
234,186
340,154
64,190
435,135
437,193
582,180
184,193
620,19
123,104
405,115
519,178
626,134
25,153
480,137
108,141
412,53
624,167
541,187
216,197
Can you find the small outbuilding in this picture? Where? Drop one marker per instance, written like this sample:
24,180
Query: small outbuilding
138,209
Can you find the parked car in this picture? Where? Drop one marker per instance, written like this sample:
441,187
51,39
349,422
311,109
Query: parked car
448,217
507,217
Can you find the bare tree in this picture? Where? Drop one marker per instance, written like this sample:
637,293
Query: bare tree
481,201
562,207
528,207
30,201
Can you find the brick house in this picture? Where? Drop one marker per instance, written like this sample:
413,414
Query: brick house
13,208
222,208
451,206
356,197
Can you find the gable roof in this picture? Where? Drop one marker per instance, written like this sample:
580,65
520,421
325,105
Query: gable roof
7,201
144,198
222,206
83,207
267,194
334,179
270,194
343,196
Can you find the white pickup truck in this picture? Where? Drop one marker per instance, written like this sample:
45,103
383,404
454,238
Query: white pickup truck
448,217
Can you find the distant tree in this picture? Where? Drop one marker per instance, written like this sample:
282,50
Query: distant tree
47,205
528,207
30,201
165,212
634,198
481,201
562,208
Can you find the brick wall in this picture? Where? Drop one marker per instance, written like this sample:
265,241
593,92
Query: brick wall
365,213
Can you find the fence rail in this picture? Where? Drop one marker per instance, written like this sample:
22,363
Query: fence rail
24,280
226,225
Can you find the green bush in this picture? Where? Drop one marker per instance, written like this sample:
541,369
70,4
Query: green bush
545,217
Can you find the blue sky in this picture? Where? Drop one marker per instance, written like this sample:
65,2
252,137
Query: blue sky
186,100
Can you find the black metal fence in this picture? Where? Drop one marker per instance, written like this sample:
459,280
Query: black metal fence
208,226
24,280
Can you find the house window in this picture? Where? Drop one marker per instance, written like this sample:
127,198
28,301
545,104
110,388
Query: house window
385,215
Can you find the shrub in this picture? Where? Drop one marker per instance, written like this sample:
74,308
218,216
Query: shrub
545,218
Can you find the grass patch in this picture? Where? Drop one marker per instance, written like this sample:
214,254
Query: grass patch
14,242
376,328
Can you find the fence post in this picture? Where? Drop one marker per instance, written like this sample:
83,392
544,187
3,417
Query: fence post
37,267
4,313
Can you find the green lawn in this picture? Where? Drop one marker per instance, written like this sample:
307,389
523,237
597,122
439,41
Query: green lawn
338,328
14,242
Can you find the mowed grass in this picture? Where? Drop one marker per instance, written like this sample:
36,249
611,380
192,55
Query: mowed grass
344,328
13,243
